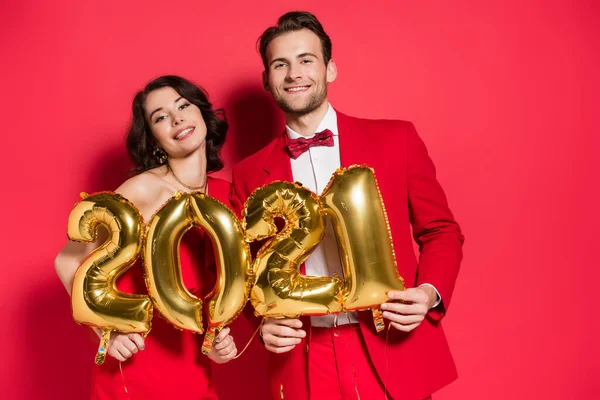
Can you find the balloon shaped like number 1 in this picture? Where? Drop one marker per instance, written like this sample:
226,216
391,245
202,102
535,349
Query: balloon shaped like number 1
353,202
95,301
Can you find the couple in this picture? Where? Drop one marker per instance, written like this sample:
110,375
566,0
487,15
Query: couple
174,142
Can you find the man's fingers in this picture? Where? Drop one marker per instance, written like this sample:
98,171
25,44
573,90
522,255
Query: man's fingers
291,322
403,319
405,309
282,335
282,331
404,328
413,295
276,341
279,350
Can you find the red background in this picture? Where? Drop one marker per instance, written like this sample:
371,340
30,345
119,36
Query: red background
505,95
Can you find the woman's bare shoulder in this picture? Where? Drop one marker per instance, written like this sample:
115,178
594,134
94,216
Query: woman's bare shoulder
143,188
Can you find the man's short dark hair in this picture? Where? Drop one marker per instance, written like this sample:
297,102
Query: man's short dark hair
291,22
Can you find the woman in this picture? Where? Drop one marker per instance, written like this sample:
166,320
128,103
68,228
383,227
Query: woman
174,142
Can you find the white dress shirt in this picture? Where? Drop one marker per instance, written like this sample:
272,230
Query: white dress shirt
313,169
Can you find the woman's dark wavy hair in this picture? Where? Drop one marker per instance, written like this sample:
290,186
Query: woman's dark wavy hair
141,144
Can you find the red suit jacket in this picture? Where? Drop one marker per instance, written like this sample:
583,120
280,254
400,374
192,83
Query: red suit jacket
418,363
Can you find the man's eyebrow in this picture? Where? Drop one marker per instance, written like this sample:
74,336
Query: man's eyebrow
306,54
160,108
280,59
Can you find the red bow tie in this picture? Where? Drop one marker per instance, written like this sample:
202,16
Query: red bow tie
298,146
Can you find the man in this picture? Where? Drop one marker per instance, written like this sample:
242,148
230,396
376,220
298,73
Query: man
317,357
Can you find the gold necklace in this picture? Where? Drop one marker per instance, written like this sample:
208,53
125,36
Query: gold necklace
193,188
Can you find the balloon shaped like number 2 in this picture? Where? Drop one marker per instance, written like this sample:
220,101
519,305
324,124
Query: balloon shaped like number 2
95,301
279,288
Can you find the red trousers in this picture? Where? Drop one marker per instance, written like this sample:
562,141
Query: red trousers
339,367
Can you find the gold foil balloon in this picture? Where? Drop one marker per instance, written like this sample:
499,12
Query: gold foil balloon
95,301
230,294
280,290
161,263
353,202
163,271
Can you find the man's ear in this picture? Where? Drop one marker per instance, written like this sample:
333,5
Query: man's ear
265,81
331,71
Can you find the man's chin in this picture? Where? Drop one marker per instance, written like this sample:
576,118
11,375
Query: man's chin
297,109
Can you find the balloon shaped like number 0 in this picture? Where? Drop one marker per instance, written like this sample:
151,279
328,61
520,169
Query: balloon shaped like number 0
163,273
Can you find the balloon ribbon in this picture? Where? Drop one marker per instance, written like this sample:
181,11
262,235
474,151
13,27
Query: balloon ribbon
103,348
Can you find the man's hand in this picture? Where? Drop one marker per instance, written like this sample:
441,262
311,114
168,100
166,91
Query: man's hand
413,305
281,335
123,345
223,348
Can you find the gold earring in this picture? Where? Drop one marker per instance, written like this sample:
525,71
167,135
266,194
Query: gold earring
160,155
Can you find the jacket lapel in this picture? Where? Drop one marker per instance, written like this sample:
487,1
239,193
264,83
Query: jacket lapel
355,144
354,141
278,166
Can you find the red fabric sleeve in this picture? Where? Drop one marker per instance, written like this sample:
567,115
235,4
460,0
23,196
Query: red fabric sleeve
436,232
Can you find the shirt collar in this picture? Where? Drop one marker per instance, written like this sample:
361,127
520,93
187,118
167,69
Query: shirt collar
329,121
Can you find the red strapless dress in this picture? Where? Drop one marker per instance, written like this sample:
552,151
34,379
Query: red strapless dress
172,366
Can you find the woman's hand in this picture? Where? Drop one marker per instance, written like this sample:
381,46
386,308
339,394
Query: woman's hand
124,345
223,349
